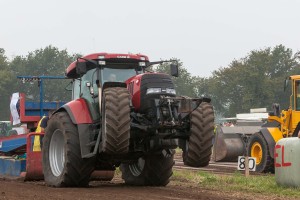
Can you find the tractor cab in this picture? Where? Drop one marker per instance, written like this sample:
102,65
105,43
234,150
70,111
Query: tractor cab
288,119
92,73
95,70
293,113
295,96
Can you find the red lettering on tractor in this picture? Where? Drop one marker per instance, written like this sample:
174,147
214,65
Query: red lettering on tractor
282,164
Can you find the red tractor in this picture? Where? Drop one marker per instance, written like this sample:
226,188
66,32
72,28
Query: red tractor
122,116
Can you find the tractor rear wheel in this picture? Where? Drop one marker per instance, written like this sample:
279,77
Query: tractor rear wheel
258,148
115,121
198,148
62,162
150,170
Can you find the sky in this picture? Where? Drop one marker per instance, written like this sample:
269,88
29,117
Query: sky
204,35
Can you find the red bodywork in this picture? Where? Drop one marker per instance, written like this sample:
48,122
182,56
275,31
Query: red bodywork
134,85
34,167
79,111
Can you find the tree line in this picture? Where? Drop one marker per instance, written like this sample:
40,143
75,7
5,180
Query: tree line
254,81
49,61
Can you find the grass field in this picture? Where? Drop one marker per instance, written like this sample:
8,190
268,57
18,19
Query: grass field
265,185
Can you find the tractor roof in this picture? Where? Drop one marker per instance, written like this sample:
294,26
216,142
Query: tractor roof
295,77
113,57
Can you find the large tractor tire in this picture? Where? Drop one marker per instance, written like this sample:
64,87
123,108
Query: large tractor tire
258,148
150,170
198,148
115,121
62,162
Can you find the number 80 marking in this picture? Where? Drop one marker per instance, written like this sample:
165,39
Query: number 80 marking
242,165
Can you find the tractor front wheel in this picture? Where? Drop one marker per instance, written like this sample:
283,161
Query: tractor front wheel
115,121
198,148
62,162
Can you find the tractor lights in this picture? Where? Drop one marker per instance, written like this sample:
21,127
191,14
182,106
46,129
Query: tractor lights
142,64
159,90
101,62
170,91
153,90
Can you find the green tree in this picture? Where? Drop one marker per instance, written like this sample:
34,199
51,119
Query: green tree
48,61
3,60
6,84
252,82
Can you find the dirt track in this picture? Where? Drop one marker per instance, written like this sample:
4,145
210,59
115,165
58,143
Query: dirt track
115,190
18,190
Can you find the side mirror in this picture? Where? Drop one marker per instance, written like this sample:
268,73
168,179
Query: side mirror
174,70
81,68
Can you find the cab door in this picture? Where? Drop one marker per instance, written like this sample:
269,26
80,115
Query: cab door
87,88
295,117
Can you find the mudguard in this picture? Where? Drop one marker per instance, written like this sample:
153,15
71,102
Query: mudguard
80,115
78,111
271,135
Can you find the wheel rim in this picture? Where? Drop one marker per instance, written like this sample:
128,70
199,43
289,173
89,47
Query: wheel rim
56,153
137,167
256,151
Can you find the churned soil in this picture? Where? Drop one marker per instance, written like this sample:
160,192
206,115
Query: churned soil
116,189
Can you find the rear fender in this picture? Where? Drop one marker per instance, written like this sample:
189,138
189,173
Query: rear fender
80,115
78,111
271,135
